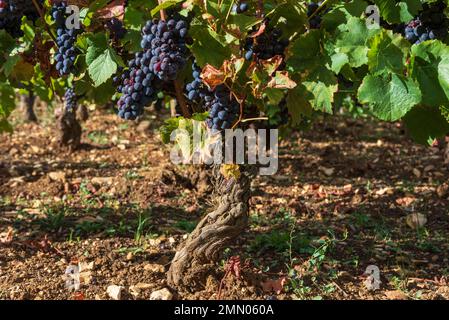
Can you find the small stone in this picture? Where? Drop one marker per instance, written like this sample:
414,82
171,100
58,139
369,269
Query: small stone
163,294
143,286
135,291
416,220
101,181
144,126
153,267
57,176
114,292
129,256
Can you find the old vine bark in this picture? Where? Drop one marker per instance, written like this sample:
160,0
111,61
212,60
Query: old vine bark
194,259
27,104
69,130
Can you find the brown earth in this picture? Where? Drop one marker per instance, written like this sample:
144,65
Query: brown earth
343,199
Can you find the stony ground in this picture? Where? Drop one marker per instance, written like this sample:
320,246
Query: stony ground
349,194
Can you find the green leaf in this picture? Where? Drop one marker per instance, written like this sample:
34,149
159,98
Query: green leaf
398,11
134,18
97,44
389,96
352,40
11,61
298,104
430,68
322,84
305,52
6,41
165,5
5,126
208,47
426,123
387,53
7,104
103,67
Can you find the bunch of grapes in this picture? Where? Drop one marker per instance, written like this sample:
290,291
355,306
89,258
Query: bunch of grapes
240,7
223,109
66,55
138,85
70,100
165,42
222,106
429,25
266,45
11,13
312,7
196,90
115,27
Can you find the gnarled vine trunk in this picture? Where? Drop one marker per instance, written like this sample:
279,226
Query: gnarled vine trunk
194,259
27,105
69,130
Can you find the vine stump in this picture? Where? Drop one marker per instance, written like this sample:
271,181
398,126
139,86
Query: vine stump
195,258
69,130
27,105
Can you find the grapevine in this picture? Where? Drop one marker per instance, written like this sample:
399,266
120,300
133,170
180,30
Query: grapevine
272,64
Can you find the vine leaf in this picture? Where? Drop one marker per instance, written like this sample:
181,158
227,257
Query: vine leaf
322,85
281,80
387,53
209,47
398,11
7,104
389,96
352,40
426,123
298,104
102,60
430,67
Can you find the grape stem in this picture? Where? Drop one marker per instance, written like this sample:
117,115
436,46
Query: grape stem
36,5
162,11
177,84
253,119
181,100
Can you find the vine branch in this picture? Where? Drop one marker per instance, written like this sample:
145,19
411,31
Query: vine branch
180,97
41,14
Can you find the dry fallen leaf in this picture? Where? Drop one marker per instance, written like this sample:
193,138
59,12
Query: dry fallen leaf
7,236
396,295
405,201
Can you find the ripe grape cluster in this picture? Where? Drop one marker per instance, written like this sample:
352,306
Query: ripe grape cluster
11,13
166,43
163,54
70,99
223,109
66,55
138,86
266,45
429,25
312,7
116,28
222,106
